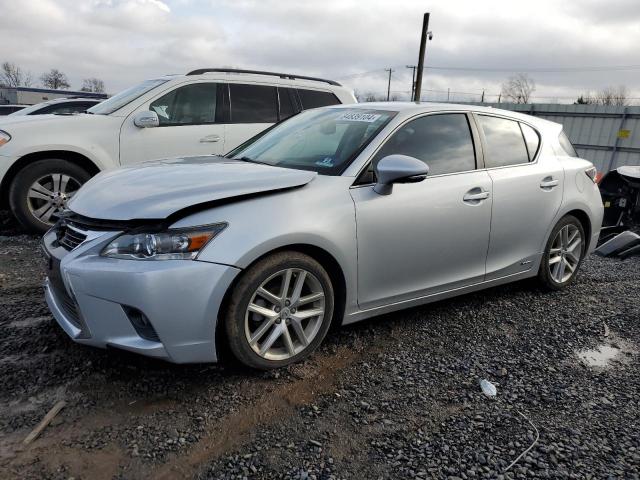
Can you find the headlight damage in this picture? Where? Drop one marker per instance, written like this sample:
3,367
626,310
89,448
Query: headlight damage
178,244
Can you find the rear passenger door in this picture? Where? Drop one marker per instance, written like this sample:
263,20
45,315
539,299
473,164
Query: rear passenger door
527,193
253,108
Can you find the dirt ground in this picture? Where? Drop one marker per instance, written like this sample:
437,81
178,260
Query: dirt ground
395,397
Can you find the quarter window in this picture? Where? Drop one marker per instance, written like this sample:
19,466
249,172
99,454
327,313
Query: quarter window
193,104
442,141
532,140
286,96
253,103
566,145
315,98
505,143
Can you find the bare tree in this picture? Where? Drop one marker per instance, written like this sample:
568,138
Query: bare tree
92,85
12,75
518,88
55,80
612,96
372,97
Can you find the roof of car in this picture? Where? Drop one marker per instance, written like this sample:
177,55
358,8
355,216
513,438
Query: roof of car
72,99
419,107
286,79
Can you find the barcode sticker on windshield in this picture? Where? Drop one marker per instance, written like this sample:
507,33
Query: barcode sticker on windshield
360,117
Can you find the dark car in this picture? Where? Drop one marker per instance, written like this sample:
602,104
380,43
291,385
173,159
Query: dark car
59,106
9,109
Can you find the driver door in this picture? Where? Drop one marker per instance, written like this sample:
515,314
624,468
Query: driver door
189,125
428,237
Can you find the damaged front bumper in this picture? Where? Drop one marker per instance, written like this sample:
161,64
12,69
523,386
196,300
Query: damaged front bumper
163,309
620,234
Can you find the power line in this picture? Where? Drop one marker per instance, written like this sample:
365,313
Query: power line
575,69
541,69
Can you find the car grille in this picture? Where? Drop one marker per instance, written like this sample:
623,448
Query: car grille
65,302
70,237
67,305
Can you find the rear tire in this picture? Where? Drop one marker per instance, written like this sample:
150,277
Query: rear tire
267,328
40,191
563,255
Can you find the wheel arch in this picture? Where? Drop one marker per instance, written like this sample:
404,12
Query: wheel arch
585,221
322,256
74,157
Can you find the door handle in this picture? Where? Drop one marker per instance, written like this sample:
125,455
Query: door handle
210,139
475,196
548,183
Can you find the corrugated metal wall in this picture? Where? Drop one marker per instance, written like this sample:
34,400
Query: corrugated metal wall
608,136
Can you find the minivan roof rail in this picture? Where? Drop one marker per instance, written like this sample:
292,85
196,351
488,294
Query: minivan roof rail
289,76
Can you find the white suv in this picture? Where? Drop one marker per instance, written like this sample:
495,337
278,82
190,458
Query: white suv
45,159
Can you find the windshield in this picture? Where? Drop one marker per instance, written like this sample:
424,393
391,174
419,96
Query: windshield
324,140
126,96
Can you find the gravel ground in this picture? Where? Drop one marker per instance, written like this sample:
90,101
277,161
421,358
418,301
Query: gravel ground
395,397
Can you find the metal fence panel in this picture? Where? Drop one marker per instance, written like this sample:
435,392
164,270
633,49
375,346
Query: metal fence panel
607,135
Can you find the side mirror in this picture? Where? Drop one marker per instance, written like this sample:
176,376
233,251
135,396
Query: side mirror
398,169
146,119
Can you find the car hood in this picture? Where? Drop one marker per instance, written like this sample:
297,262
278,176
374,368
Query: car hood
11,122
157,189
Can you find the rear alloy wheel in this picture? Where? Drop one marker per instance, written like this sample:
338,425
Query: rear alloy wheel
564,253
41,191
280,311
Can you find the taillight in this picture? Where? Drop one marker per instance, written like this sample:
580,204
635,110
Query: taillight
592,173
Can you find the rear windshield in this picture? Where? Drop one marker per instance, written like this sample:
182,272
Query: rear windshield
325,140
126,96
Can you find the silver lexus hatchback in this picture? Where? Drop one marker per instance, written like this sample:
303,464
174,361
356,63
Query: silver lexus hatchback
330,217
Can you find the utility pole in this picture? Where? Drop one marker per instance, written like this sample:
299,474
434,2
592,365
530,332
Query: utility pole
413,79
448,89
482,100
388,84
423,46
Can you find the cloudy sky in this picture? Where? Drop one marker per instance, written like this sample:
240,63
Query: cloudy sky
476,45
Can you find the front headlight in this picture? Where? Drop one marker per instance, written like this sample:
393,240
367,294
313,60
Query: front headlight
4,137
175,244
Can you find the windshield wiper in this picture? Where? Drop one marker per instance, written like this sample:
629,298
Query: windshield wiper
251,160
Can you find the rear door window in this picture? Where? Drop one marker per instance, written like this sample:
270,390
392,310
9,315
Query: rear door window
193,104
504,141
315,98
442,141
253,103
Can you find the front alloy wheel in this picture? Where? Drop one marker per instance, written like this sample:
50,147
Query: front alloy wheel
279,311
40,191
48,196
280,325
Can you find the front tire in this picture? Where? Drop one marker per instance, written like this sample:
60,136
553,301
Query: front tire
563,254
279,311
41,190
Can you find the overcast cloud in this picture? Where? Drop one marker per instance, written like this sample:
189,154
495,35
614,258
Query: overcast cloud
126,41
